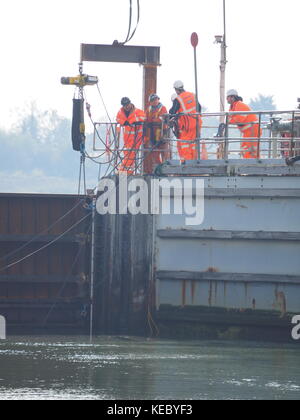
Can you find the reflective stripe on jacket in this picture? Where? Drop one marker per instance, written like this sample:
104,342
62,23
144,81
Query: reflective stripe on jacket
136,115
242,121
154,122
187,103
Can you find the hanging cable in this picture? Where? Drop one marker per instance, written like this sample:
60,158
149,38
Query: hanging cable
117,153
66,280
130,21
45,246
79,181
104,105
130,35
88,108
82,170
137,22
37,236
84,173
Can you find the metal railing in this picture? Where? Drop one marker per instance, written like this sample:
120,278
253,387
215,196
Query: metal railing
278,137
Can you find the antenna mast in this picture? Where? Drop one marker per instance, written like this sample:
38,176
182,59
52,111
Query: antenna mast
221,39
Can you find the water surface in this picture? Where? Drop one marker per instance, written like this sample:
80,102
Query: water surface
132,368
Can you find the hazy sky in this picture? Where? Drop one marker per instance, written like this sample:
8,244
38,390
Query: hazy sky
40,42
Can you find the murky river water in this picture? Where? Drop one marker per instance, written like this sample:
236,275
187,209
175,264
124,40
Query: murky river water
128,368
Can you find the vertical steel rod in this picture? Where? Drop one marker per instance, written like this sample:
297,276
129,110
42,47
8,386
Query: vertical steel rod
92,271
197,108
223,65
259,136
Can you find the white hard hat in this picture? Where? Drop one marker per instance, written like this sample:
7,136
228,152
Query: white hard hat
173,97
232,92
178,84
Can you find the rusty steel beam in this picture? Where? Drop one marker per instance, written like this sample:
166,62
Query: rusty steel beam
149,82
227,277
228,234
148,57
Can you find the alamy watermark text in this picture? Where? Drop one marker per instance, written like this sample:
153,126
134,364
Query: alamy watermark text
157,196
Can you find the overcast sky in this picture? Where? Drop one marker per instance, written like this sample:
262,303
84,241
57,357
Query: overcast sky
40,42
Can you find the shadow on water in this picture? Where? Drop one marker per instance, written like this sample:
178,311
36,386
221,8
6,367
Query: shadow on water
134,368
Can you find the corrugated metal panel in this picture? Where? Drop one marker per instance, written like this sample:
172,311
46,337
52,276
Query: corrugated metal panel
49,289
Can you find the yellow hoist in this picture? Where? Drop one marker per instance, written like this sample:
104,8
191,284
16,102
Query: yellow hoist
78,126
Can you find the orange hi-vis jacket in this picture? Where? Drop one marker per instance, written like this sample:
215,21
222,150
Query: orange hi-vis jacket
249,127
187,126
155,150
154,122
133,136
135,115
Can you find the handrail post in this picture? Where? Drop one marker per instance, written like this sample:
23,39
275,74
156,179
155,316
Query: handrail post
259,136
117,147
226,145
293,135
198,139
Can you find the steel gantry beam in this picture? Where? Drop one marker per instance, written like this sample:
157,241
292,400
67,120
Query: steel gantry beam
148,57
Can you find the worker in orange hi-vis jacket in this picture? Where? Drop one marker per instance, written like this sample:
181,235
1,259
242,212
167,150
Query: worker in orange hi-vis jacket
157,150
132,119
185,104
247,124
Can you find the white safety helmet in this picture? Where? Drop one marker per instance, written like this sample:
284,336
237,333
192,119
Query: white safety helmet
178,84
173,97
232,92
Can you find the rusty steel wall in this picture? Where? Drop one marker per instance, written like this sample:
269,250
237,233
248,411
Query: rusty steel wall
50,290
123,255
238,270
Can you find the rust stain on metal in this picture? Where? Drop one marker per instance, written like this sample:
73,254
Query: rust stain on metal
216,291
193,290
212,270
210,294
281,302
183,293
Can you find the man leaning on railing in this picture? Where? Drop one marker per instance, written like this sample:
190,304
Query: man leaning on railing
247,124
132,119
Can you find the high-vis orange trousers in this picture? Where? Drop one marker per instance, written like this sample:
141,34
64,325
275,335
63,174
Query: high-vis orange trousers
187,150
132,143
187,147
250,148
